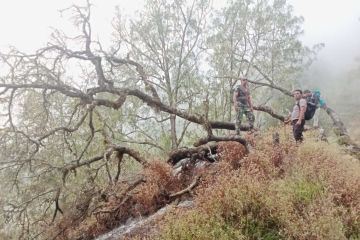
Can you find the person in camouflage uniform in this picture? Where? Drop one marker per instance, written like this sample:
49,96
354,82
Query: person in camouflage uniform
243,105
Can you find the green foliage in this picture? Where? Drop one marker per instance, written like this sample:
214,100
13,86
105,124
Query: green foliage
306,191
194,225
258,40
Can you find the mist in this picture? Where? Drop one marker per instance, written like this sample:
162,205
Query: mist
335,23
336,70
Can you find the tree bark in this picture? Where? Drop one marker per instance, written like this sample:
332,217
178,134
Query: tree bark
179,154
173,132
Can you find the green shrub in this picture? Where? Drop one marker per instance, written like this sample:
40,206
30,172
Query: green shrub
197,225
306,191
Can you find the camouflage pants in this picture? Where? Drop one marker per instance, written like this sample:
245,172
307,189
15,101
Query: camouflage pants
242,109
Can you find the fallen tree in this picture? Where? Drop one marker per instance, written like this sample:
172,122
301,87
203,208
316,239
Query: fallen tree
59,123
339,127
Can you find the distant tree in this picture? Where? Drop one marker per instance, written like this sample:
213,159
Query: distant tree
168,39
259,40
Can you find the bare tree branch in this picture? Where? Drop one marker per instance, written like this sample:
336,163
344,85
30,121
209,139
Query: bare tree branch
186,190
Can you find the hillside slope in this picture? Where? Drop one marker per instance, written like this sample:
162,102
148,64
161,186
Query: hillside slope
278,191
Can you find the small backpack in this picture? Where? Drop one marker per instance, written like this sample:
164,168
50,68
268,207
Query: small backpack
312,104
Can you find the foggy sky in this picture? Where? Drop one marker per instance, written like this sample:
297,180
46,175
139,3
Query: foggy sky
335,23
26,25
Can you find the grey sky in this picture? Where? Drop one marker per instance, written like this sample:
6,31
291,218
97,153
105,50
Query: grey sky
26,24
335,23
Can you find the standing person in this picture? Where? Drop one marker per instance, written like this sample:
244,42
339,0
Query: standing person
322,104
314,101
298,115
243,105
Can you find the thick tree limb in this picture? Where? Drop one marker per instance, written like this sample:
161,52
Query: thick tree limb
151,101
187,116
339,125
132,153
211,138
178,154
270,111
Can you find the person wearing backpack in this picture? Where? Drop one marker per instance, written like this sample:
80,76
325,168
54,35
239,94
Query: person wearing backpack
322,105
243,105
298,115
314,101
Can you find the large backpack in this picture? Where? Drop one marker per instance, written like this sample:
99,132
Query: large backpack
312,104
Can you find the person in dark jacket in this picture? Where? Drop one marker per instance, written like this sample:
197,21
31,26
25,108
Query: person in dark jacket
243,105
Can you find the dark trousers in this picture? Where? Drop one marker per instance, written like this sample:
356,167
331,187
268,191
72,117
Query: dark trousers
298,130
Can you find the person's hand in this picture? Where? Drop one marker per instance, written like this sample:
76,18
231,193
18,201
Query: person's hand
286,120
298,122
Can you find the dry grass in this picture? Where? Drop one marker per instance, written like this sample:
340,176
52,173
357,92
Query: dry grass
120,202
231,153
285,191
278,191
159,184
